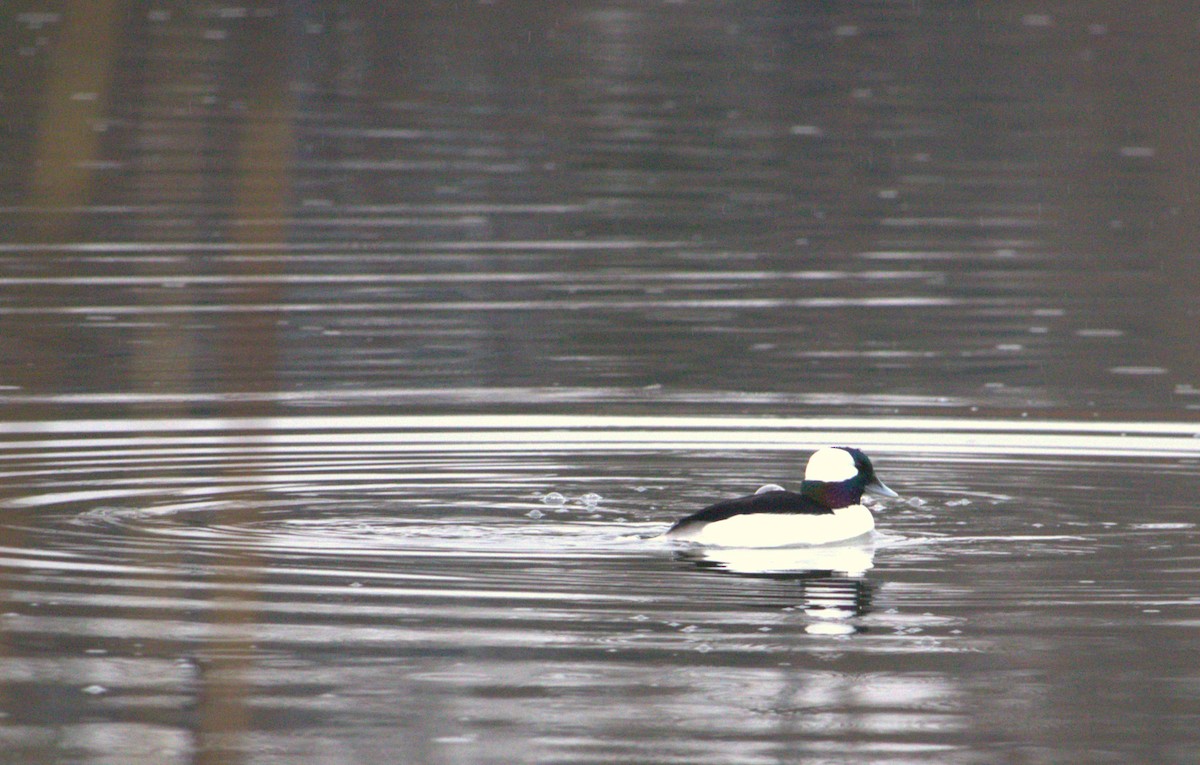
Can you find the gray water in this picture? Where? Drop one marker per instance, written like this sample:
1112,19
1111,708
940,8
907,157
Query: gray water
351,359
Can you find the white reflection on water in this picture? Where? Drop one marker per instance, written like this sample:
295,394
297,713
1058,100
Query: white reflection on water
849,559
541,421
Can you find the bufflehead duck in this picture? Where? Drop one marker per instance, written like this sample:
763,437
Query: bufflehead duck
828,508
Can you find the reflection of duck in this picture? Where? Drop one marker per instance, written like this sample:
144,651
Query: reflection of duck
831,579
826,509
831,602
785,562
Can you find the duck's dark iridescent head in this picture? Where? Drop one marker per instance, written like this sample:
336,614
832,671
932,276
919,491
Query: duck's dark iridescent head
839,475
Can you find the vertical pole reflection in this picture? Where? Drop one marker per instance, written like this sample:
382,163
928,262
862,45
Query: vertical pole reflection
247,358
260,195
72,99
75,99
72,93
223,718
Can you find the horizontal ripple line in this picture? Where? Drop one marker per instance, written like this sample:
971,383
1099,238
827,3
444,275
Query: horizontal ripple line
309,435
475,422
900,301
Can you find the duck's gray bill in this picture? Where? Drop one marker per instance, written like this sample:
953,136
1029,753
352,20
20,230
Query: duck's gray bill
877,488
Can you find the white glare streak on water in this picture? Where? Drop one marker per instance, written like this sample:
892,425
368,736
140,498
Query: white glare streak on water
510,433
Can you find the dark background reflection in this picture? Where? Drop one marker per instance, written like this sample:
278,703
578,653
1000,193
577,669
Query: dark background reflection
885,204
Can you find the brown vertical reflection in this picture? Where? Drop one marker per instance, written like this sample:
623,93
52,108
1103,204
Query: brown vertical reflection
71,94
247,358
75,100
72,100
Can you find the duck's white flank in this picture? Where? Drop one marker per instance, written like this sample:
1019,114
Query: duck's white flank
782,529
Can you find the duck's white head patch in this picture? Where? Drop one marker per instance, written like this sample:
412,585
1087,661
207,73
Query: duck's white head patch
830,464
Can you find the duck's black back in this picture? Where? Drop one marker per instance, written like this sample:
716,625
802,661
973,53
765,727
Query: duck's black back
784,502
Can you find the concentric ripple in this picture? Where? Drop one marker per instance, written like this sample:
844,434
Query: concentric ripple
500,485
503,569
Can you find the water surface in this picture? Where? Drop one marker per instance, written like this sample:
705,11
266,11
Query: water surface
454,587
351,358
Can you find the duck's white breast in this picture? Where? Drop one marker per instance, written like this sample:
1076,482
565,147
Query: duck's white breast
782,529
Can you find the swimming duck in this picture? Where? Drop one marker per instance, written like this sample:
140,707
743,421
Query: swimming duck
828,508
